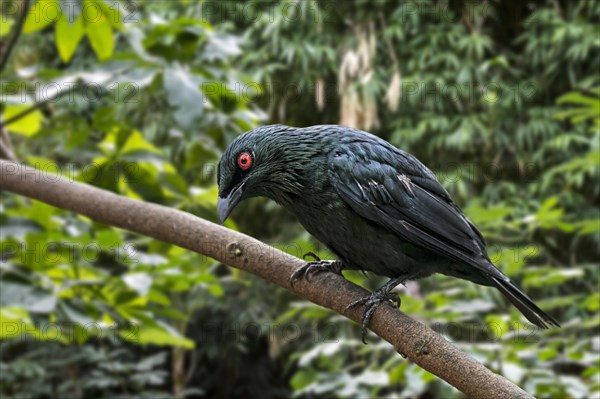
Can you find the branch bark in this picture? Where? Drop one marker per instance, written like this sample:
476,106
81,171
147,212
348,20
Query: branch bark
6,148
420,344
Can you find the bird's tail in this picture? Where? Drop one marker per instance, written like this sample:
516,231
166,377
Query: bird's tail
522,302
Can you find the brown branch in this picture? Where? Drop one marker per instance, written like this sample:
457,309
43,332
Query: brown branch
420,344
6,148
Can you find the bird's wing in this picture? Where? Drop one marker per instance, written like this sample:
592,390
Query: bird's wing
394,190
404,197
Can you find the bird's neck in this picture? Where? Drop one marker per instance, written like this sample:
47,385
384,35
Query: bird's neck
310,183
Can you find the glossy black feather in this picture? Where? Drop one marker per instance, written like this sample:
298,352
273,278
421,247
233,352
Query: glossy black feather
377,207
421,213
419,210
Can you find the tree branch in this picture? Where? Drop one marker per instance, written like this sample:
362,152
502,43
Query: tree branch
420,344
15,35
6,148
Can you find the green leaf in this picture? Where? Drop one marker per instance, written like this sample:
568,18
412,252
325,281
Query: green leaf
303,378
42,14
40,212
183,93
159,334
6,26
578,98
480,214
27,297
156,296
592,302
111,13
589,226
173,182
548,353
207,197
143,181
16,323
27,125
80,319
108,239
67,36
137,142
100,35
114,141
541,277
497,326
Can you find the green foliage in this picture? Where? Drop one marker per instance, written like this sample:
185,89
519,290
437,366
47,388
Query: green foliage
93,370
501,103
500,100
68,280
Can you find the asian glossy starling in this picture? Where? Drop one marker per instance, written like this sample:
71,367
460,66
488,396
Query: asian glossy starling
375,206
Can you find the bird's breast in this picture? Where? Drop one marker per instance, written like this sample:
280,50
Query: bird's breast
359,243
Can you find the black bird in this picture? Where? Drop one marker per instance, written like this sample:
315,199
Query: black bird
375,206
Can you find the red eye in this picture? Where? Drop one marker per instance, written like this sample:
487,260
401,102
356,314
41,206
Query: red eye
244,160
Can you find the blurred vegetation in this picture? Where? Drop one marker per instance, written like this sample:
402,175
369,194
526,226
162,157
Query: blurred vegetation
501,100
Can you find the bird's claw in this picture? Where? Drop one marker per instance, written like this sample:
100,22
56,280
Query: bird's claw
311,268
311,255
371,302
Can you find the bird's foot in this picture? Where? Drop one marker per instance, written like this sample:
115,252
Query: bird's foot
317,266
372,301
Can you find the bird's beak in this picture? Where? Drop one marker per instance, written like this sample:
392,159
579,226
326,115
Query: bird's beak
227,204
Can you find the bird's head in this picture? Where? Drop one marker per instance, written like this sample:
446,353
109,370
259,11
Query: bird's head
268,161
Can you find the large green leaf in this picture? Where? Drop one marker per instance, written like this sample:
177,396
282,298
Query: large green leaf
100,34
6,27
42,14
67,36
184,94
158,334
28,297
16,323
27,125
